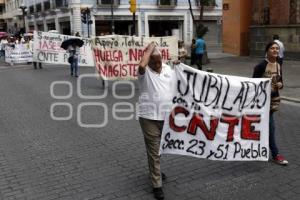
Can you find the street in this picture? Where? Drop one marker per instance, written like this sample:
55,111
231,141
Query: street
42,157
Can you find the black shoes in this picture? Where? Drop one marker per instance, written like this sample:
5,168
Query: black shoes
158,193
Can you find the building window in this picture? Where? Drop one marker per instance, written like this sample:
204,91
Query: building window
167,2
31,9
294,17
266,15
1,10
38,7
206,3
108,2
61,3
47,5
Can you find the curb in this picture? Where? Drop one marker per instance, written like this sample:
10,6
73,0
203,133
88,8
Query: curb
290,99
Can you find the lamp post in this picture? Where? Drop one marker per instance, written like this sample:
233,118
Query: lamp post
23,9
112,17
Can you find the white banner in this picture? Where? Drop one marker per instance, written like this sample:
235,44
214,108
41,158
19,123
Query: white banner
17,53
47,49
218,117
117,56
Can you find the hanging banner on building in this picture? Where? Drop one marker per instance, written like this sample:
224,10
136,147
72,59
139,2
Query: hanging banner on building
218,117
17,53
46,49
117,56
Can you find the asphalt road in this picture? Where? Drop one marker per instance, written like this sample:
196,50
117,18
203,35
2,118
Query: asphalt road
44,158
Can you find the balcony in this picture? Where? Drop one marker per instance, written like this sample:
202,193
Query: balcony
108,2
167,3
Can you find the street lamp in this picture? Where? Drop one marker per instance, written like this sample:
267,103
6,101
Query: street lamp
23,9
112,17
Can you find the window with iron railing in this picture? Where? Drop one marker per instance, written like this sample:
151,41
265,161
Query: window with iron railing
61,3
167,2
38,7
294,17
31,9
47,5
108,2
209,3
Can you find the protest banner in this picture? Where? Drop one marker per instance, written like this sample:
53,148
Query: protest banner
117,56
17,53
217,117
46,49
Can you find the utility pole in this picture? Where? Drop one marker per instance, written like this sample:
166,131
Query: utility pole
112,17
23,9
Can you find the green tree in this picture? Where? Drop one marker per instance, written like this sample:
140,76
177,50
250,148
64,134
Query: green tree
201,30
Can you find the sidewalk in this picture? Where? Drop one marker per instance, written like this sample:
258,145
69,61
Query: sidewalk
243,66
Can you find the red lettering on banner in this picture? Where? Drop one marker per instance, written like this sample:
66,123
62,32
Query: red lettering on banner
136,54
232,121
165,54
177,110
197,121
247,131
49,45
117,70
108,55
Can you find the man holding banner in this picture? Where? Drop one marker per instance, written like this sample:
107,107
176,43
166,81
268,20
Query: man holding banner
155,81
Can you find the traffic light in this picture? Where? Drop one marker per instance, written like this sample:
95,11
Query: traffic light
83,16
132,6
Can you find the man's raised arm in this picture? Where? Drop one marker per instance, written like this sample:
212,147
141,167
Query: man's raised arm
145,59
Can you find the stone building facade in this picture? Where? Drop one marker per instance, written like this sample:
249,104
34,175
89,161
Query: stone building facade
281,17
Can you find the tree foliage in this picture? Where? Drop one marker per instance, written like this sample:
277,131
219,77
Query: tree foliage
201,30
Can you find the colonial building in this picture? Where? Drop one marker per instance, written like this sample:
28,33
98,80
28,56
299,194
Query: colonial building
12,16
247,31
153,17
281,17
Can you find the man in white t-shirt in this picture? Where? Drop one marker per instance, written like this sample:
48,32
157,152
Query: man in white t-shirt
155,82
281,49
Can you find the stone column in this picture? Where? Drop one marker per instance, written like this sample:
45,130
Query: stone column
57,26
76,16
93,25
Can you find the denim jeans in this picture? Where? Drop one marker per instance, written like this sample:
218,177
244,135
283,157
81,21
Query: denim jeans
272,142
74,66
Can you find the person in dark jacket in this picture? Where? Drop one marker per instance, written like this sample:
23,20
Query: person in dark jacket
270,68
